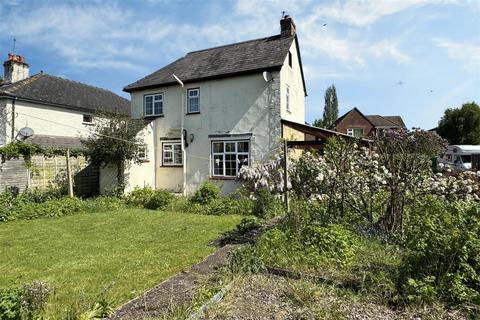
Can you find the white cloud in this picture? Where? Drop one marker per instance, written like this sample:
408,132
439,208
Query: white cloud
363,13
467,53
106,35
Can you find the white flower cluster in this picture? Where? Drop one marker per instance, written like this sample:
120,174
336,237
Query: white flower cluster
268,175
356,176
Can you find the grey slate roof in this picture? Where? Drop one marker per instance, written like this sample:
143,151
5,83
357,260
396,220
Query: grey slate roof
229,60
49,89
47,141
385,121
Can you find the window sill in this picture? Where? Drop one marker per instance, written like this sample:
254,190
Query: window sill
153,117
189,113
222,178
87,123
171,166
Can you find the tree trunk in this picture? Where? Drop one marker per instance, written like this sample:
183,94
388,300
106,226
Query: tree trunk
121,176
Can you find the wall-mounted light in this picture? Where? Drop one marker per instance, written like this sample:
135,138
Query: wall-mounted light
191,136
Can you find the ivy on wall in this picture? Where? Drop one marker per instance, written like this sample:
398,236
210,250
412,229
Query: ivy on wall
15,150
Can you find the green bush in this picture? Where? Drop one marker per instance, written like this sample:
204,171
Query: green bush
37,195
265,204
277,248
443,256
248,224
159,200
206,193
24,302
102,204
334,243
10,303
19,208
139,197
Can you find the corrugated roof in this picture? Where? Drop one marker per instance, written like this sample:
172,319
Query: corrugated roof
234,59
49,89
48,141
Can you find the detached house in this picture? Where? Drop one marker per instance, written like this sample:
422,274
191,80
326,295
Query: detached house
355,123
49,111
215,110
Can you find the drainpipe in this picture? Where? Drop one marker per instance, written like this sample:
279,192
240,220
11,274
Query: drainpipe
182,140
14,98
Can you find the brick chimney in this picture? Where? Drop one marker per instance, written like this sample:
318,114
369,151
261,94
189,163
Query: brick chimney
15,69
287,27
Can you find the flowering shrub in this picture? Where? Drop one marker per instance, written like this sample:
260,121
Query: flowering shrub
366,185
266,175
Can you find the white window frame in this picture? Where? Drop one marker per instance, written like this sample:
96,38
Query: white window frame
156,97
351,132
143,149
87,115
189,110
287,97
224,153
175,161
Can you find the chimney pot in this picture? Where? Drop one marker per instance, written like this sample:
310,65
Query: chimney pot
287,27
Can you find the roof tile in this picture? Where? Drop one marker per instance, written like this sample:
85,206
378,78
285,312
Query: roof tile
55,90
243,57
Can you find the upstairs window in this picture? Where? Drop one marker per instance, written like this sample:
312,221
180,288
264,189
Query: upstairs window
172,154
193,100
290,59
287,98
229,156
87,119
355,132
153,104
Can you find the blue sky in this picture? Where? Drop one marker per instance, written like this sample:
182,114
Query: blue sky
408,57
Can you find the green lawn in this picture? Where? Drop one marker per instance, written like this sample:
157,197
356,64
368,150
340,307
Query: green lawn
130,250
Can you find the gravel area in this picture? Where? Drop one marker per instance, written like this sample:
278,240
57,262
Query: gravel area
275,297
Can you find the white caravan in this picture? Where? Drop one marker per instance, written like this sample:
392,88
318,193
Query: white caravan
460,156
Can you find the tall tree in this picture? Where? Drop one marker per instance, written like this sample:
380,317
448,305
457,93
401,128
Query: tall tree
330,112
461,125
115,140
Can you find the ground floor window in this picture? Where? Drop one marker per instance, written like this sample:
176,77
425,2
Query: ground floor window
172,154
229,156
143,153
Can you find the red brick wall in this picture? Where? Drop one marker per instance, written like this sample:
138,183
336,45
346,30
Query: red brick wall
355,120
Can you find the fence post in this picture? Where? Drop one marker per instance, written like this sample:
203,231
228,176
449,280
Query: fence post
69,175
285,175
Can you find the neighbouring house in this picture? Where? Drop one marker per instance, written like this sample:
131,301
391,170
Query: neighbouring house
354,123
51,112
218,109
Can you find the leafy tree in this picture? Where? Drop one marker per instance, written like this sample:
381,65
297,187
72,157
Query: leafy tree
330,113
407,155
461,125
318,123
115,140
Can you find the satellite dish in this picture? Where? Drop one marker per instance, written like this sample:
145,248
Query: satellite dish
267,76
26,132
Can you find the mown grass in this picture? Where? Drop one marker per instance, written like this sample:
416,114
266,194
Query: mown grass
128,250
